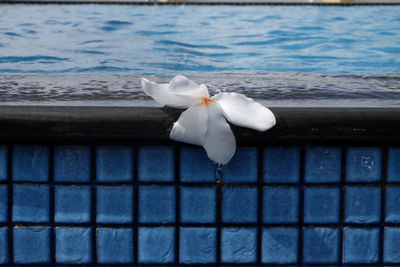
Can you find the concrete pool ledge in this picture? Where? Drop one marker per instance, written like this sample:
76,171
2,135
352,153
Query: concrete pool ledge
356,125
212,2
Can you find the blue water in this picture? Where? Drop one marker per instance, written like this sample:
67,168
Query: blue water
165,40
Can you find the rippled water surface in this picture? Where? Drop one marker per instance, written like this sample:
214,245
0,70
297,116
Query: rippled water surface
271,89
166,40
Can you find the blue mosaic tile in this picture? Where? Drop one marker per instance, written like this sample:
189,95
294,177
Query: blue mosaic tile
239,245
195,165
321,245
31,245
30,203
243,166
279,245
3,245
362,204
281,165
73,245
392,204
72,204
198,204
157,204
114,245
156,164
280,205
391,251
239,204
3,163
361,245
3,203
197,245
156,245
363,164
72,164
30,163
114,204
393,164
321,205
322,165
114,164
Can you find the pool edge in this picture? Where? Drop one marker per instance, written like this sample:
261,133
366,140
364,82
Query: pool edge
128,123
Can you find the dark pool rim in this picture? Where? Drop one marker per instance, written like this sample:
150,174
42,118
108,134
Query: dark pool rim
152,125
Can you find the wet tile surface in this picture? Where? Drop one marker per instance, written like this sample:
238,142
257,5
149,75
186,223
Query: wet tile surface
114,245
156,245
73,245
152,205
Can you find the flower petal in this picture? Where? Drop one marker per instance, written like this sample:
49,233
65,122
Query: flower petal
220,143
161,94
180,85
191,126
243,111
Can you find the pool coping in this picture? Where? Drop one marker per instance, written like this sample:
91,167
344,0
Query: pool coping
356,125
210,2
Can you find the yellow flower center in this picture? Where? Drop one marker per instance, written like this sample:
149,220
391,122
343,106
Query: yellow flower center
205,101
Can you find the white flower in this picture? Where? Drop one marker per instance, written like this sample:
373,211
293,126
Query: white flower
204,122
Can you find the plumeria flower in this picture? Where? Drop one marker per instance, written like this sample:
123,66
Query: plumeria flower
204,122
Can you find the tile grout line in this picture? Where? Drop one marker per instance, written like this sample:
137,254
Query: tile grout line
382,205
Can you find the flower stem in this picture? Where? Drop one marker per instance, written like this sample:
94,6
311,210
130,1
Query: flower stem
218,173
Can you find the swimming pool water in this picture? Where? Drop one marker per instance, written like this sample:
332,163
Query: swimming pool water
165,40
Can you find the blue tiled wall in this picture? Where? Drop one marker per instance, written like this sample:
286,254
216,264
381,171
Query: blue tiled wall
239,245
114,204
198,245
71,164
114,245
275,205
3,245
3,163
31,203
73,245
156,244
320,245
30,163
72,204
279,245
31,244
